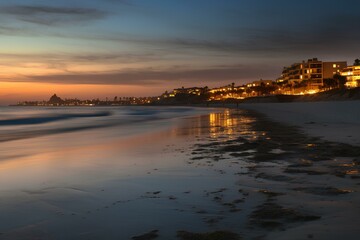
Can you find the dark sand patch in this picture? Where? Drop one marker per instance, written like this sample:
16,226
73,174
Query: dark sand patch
217,235
326,191
147,236
302,163
306,171
271,194
279,178
271,215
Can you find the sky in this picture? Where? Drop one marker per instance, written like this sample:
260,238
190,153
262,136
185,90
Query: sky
105,48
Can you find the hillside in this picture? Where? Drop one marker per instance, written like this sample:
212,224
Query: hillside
332,95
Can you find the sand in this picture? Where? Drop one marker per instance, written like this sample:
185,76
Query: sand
334,121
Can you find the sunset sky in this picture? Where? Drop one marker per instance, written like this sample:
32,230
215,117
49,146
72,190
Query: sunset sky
107,48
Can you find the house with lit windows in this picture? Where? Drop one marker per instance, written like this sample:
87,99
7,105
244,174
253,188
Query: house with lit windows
312,72
352,74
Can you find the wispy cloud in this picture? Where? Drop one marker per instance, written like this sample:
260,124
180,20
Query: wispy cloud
126,2
47,15
332,33
149,76
322,37
86,58
5,30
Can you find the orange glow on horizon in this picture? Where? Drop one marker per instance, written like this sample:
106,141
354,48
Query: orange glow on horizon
13,92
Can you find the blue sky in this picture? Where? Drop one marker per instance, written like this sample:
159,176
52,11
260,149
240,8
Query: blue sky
162,44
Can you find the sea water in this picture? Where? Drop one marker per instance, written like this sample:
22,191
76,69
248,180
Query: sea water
100,172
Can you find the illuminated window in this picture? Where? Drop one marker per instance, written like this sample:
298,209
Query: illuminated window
334,65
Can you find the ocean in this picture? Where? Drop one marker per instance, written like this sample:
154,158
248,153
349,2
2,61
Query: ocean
90,172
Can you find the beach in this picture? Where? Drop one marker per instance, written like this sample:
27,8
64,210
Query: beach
262,171
331,120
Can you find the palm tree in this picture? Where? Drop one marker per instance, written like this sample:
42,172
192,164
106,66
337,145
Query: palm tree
341,80
357,62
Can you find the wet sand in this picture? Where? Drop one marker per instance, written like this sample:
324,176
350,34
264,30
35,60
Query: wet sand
334,121
232,174
305,187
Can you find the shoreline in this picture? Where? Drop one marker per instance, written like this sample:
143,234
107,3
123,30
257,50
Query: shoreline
232,173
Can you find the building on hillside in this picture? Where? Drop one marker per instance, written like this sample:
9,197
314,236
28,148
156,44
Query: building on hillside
352,74
228,92
312,72
227,88
332,68
260,83
290,74
192,90
188,91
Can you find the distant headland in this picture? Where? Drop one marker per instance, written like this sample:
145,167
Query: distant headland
326,80
187,98
55,100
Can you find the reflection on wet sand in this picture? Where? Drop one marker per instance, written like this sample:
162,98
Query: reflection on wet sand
231,170
219,125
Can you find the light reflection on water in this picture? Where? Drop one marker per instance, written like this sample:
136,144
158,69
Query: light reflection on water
219,125
229,123
79,157
66,171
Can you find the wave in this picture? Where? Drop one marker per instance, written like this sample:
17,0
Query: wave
50,118
42,132
157,111
127,120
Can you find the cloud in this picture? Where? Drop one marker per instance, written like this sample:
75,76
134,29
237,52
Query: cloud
149,76
46,15
115,57
326,35
125,2
6,30
63,61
